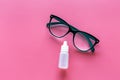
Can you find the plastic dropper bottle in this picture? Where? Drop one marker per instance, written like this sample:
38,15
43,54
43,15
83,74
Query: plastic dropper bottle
64,56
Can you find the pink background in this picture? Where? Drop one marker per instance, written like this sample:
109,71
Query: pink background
29,52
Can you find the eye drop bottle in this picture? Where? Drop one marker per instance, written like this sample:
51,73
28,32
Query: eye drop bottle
64,56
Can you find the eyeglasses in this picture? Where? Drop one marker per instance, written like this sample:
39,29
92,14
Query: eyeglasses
83,41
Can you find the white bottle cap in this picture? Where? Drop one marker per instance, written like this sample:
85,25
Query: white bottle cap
64,47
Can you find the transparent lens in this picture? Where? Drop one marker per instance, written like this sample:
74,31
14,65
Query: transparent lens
58,29
81,42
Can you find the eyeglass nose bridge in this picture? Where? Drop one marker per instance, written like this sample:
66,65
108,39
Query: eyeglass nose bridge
72,29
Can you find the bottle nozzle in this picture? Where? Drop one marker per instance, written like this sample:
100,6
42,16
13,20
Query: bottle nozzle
64,47
65,43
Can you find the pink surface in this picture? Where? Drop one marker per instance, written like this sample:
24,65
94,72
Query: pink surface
29,52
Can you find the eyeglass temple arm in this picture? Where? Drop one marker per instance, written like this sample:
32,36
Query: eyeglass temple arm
90,44
53,23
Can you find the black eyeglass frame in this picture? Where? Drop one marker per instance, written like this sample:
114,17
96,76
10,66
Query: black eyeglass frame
74,31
